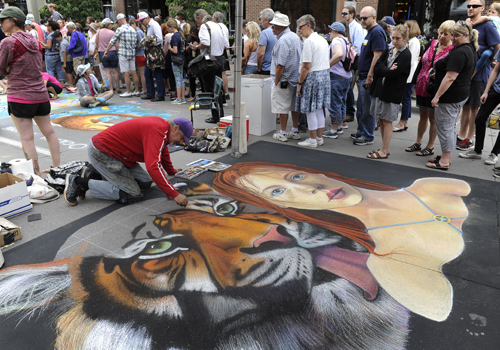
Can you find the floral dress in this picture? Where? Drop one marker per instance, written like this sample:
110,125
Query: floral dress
423,76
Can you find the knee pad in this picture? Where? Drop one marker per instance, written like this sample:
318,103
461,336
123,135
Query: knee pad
126,198
144,185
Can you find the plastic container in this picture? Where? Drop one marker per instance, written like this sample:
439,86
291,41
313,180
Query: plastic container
228,120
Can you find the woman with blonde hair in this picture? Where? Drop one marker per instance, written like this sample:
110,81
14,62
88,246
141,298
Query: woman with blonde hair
249,60
453,76
414,46
177,48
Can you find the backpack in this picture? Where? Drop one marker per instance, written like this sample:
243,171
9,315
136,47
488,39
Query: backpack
57,175
350,61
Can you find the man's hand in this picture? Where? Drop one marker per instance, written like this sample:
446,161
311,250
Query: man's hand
181,200
484,96
369,81
105,54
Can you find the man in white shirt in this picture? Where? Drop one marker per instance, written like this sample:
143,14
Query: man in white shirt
357,34
153,28
216,41
218,17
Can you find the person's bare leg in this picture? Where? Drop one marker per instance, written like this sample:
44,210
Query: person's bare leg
117,79
55,96
472,123
225,83
97,73
143,80
48,131
386,131
295,119
422,124
464,121
313,134
283,121
110,78
135,79
126,76
24,127
432,131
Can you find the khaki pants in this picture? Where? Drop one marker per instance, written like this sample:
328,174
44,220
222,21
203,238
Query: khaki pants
78,61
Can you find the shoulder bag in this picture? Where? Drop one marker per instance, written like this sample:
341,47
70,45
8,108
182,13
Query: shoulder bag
200,66
431,87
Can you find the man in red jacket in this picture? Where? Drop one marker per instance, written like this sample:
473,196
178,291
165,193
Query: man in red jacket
116,152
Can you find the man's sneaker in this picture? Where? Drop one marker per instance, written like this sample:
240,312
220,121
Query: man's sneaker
458,141
331,134
279,136
361,141
470,154
491,160
340,130
293,135
183,101
308,143
71,189
464,145
345,126
137,94
176,102
355,136
320,141
127,94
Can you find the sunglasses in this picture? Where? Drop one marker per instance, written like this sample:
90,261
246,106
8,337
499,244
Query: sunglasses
364,18
300,27
344,13
473,6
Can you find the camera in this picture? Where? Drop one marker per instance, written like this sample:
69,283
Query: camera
284,84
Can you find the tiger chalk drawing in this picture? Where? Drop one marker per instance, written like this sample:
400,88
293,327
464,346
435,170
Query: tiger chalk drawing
219,274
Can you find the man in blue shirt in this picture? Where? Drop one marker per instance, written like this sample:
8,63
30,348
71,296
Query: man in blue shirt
267,41
487,37
77,45
371,49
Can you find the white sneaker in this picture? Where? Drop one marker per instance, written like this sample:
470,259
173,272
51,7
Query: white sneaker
491,160
320,141
331,134
340,130
293,135
138,93
470,154
308,143
345,126
126,94
279,136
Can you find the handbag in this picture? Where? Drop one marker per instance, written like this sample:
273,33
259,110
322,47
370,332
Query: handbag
200,66
79,45
176,58
431,87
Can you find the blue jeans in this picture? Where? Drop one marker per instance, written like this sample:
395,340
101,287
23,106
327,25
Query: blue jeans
117,177
158,76
406,104
485,58
250,70
54,66
339,89
366,120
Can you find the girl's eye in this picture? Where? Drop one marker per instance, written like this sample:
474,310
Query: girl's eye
297,177
278,191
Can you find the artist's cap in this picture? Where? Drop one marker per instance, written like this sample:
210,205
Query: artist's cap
120,16
141,15
281,20
30,16
82,68
338,27
389,20
106,21
186,127
13,12
28,22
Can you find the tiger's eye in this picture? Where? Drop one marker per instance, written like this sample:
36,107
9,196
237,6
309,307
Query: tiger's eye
158,247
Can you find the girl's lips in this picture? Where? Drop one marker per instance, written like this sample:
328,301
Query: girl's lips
337,193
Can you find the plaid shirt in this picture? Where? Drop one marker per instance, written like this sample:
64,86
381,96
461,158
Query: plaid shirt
127,37
286,53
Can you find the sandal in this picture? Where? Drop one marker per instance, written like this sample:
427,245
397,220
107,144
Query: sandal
436,159
377,151
413,148
436,165
376,155
425,152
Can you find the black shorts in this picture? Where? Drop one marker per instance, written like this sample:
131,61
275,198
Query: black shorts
226,62
56,87
28,110
69,68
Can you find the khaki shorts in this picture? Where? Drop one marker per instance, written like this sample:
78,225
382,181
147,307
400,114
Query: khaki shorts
126,65
283,100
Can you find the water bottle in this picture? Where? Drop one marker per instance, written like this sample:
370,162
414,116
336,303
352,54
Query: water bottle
5,168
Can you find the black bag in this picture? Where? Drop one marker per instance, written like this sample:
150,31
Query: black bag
199,66
79,45
177,60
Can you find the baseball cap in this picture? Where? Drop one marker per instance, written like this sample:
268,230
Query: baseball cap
106,21
186,127
389,20
28,22
13,12
338,27
281,20
141,15
82,68
30,16
120,16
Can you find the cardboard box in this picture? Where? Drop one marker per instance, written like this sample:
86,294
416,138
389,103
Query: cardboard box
14,197
8,232
228,120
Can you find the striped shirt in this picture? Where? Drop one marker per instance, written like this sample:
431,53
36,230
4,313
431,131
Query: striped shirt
127,37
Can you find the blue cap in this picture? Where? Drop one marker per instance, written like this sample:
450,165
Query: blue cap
389,20
338,27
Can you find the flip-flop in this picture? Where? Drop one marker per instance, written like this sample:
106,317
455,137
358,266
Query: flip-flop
436,165
437,158
376,155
